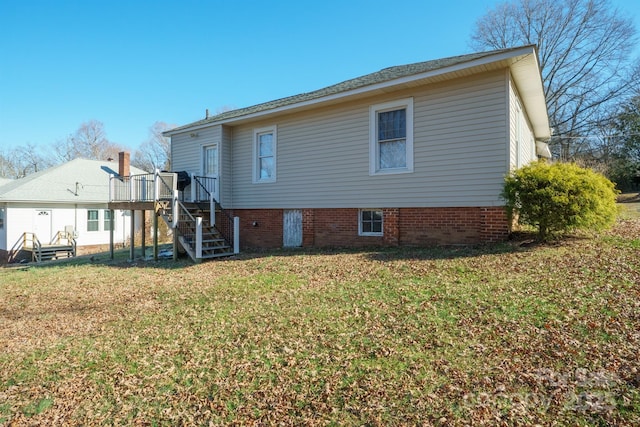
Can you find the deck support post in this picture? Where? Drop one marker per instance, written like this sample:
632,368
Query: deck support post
132,235
175,244
111,227
155,235
144,233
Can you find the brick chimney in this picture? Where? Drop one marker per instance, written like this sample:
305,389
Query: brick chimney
124,163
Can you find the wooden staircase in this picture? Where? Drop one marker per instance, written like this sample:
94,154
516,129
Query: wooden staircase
49,252
207,243
214,245
63,244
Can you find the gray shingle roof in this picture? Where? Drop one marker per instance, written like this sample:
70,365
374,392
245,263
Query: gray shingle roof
77,181
384,75
4,181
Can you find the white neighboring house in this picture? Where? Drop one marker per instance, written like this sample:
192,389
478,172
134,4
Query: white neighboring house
69,197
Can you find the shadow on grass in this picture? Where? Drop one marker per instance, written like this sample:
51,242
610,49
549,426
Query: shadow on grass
519,242
629,198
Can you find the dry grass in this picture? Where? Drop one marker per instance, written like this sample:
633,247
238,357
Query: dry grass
629,205
496,335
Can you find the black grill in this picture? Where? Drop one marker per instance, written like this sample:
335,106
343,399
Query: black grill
183,180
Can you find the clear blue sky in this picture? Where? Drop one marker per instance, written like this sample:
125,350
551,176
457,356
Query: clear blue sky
130,63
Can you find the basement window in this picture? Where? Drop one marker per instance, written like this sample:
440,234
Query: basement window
370,222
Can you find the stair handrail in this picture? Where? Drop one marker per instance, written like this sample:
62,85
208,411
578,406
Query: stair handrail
17,247
65,235
209,197
229,226
182,229
36,246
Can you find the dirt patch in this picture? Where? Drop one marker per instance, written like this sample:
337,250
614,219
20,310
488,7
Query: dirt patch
629,198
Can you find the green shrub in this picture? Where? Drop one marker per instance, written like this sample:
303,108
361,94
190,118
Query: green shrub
560,197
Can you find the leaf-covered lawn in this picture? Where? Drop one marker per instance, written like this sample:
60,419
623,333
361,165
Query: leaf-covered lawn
506,334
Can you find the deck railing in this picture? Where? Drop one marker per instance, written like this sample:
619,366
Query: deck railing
162,186
147,187
189,230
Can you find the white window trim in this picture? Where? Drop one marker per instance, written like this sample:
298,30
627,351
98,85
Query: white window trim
406,103
203,146
97,221
256,164
362,233
104,219
518,132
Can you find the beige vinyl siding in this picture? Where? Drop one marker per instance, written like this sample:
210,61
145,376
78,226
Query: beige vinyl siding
513,120
226,166
186,150
526,151
460,154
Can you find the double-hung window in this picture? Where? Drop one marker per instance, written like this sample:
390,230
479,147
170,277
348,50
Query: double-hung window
107,219
391,144
93,221
264,159
210,160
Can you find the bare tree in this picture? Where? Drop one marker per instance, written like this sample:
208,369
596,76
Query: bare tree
6,168
89,142
155,152
22,161
584,48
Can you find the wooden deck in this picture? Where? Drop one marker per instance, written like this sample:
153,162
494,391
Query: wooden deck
49,252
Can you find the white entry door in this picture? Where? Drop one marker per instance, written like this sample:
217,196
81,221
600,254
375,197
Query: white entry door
211,168
42,225
292,228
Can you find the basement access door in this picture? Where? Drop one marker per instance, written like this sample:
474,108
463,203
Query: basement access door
292,228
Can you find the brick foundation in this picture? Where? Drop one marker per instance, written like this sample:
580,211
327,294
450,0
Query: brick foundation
262,228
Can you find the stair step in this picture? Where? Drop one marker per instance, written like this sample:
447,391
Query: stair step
212,240
215,248
217,255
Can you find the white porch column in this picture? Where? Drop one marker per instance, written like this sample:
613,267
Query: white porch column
198,237
156,185
175,210
236,235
